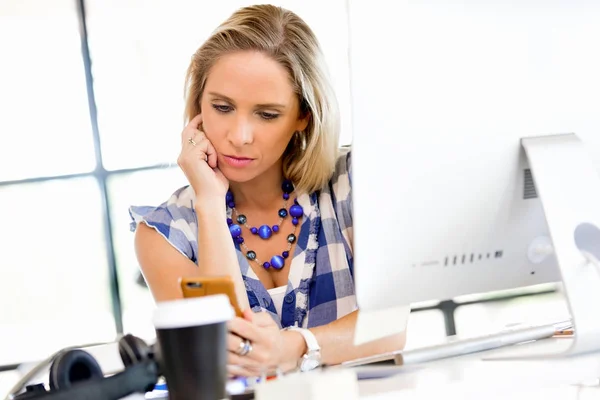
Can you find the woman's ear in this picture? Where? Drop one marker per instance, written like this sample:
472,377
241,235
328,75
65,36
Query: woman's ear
303,121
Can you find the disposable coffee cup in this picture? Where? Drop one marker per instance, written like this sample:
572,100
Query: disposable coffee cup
192,336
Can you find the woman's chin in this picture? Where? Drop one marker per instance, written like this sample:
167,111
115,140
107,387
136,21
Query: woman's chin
236,175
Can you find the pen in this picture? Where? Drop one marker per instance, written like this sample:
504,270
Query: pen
564,332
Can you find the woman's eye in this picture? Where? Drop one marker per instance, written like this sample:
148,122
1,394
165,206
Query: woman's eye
221,108
267,116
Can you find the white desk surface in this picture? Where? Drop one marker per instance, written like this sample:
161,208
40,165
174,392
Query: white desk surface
477,376
474,376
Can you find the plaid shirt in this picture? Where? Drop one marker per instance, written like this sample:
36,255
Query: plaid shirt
320,286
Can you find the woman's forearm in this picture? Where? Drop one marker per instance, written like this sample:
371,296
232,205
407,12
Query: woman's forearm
336,342
216,253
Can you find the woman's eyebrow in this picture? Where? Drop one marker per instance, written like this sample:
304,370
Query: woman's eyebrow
271,105
230,100
222,96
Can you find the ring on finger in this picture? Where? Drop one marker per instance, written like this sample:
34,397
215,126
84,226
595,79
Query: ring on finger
245,348
192,141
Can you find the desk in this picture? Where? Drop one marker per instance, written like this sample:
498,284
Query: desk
476,376
472,376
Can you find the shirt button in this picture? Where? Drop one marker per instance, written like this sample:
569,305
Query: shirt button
289,298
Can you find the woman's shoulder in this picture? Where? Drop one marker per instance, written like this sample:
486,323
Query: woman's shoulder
341,180
178,205
335,201
343,164
173,219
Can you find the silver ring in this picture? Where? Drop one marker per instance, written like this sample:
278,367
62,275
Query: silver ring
245,348
191,141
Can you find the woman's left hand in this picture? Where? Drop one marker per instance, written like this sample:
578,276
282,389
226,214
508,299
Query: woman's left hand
268,343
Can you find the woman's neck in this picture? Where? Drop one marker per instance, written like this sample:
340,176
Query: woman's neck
262,192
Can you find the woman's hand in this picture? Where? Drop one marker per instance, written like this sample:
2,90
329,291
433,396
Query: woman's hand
271,347
198,160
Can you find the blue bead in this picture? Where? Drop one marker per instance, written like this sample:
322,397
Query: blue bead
266,265
235,230
254,230
229,221
231,204
265,232
275,228
285,254
296,211
239,239
277,262
282,213
295,221
287,186
229,197
286,196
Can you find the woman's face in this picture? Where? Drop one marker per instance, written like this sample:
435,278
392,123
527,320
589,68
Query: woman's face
249,113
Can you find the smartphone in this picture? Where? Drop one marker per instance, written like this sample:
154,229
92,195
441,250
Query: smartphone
210,285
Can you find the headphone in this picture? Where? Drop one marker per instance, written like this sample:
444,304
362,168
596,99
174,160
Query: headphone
74,374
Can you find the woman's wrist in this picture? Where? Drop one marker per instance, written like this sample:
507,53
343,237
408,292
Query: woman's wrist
210,209
294,347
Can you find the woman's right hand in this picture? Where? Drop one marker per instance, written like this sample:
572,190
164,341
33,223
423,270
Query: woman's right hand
198,161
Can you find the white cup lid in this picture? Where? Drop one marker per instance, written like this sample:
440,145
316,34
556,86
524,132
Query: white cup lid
190,312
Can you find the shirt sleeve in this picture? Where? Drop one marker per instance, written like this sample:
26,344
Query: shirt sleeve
175,220
342,193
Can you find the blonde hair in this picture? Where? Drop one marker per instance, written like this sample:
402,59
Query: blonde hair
309,160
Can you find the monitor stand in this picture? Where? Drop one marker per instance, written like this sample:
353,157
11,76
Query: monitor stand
568,186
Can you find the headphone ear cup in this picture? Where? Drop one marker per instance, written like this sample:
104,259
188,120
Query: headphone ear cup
133,350
71,367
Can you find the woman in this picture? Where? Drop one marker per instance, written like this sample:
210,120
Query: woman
269,201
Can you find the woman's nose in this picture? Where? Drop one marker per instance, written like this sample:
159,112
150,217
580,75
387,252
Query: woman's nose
241,133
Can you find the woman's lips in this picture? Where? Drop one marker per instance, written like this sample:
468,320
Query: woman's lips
238,162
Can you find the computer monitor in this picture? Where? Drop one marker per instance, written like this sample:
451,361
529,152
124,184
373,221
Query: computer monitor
448,198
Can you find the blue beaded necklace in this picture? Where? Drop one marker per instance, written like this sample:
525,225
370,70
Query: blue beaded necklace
265,232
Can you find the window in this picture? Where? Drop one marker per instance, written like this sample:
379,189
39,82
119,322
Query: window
45,125
151,187
54,289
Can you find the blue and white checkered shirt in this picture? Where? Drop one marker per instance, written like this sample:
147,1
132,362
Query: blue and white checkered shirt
320,286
